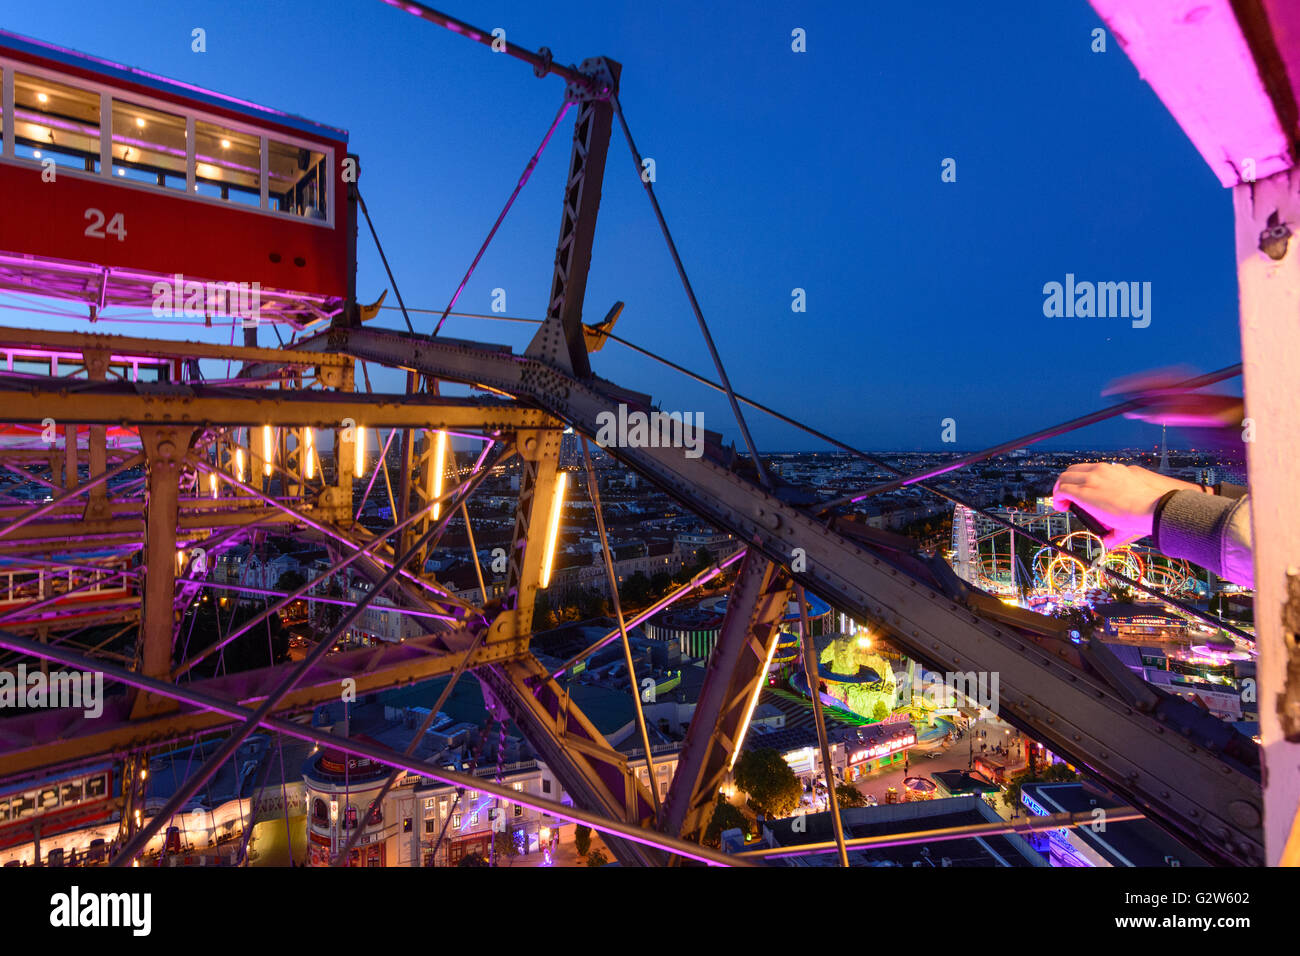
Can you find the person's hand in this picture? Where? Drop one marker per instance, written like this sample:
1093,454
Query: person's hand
1122,497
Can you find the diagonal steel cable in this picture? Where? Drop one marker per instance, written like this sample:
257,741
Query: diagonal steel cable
523,179
690,294
383,258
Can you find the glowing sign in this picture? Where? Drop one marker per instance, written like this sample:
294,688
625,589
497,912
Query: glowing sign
880,750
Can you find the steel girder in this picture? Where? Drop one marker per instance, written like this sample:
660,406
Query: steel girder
540,453
193,698
1201,781
87,614
126,347
53,737
166,448
560,340
116,403
64,535
736,671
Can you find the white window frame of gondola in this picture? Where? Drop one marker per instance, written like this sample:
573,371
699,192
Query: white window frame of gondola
108,93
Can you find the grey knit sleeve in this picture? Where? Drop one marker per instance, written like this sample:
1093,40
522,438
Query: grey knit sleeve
1208,530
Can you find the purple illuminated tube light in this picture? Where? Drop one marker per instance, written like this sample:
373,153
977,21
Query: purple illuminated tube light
284,602
246,589
390,758
441,596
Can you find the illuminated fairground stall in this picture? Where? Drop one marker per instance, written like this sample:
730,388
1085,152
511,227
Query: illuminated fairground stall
877,747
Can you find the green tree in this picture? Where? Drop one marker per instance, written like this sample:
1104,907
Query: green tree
543,616
725,817
881,711
329,615
1056,773
582,839
472,859
661,583
849,796
597,858
592,603
773,788
290,581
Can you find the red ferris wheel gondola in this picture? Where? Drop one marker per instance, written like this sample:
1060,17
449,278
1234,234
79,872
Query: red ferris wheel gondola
116,180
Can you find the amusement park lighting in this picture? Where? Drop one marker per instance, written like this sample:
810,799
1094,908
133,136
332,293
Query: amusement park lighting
864,641
225,144
439,467
553,528
309,459
212,483
139,121
239,464
42,98
749,711
266,450
359,465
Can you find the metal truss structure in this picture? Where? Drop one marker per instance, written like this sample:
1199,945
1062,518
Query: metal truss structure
173,466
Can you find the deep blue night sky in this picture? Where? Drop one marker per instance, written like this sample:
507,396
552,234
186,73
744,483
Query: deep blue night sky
776,170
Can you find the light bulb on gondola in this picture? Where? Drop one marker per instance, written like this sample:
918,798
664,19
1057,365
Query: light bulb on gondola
266,450
239,464
212,483
309,459
359,465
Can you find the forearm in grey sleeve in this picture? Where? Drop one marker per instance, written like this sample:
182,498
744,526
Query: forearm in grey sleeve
1208,530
